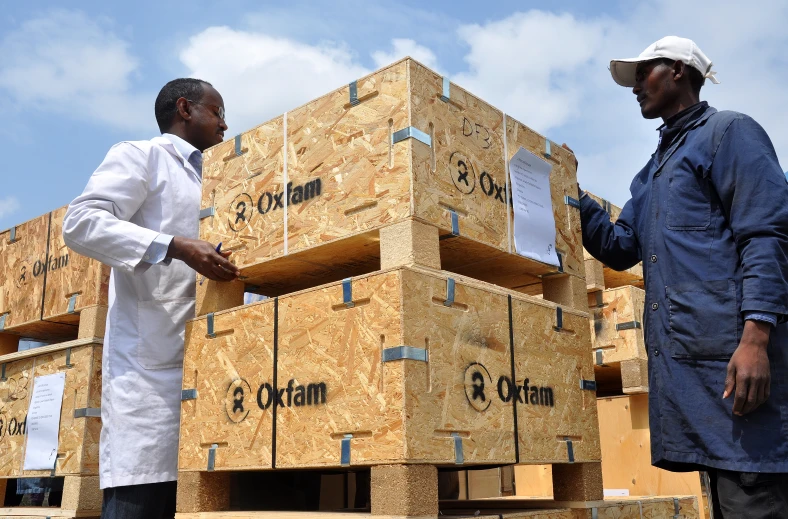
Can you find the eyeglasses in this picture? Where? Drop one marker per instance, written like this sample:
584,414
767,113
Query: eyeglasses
219,109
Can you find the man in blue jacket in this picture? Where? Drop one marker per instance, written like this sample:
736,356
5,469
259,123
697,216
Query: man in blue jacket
709,219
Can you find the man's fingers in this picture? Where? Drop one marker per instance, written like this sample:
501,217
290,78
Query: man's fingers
740,397
227,265
752,400
730,381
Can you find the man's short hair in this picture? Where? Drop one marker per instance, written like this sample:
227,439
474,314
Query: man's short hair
165,106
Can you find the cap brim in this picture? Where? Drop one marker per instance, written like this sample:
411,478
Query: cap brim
623,71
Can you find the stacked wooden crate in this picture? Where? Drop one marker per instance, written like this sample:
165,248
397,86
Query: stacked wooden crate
402,334
49,293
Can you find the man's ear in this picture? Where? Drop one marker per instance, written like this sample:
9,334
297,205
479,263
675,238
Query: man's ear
183,109
679,70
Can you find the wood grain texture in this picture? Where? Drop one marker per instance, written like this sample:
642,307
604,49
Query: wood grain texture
621,307
75,274
402,411
78,437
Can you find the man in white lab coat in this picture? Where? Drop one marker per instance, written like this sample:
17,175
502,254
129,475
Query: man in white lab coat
140,214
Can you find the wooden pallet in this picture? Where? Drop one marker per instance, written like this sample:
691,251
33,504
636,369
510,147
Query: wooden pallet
682,507
81,499
44,286
600,276
619,349
348,178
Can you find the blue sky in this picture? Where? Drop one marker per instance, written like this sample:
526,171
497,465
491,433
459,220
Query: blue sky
77,77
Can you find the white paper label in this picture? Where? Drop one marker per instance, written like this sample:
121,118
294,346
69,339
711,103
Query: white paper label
43,422
534,222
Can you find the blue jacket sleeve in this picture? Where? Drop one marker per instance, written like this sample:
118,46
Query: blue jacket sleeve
614,244
754,197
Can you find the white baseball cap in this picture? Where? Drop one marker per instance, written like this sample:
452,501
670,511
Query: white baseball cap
670,47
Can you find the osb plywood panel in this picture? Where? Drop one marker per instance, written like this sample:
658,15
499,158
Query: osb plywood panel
455,392
71,274
364,178
230,372
23,266
464,170
620,306
321,341
563,182
82,389
626,452
239,188
553,362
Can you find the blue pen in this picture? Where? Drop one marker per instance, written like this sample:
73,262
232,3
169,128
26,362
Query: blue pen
219,247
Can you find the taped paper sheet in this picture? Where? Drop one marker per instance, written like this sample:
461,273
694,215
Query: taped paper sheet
534,221
43,422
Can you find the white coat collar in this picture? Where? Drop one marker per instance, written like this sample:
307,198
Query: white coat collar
168,145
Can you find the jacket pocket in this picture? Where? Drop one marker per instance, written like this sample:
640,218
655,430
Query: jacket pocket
162,325
704,319
689,202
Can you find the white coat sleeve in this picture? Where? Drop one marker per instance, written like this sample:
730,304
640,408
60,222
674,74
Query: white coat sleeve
97,222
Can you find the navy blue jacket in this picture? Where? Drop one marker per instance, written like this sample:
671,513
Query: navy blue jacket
710,222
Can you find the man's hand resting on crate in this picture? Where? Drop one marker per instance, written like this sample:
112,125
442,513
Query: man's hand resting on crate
202,257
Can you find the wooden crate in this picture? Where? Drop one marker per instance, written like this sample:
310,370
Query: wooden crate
626,457
334,354
348,176
618,342
44,286
78,439
599,276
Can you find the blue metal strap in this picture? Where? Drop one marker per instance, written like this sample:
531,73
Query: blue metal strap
459,457
238,150
209,319
405,353
347,293
446,90
547,149
410,131
449,292
345,450
353,93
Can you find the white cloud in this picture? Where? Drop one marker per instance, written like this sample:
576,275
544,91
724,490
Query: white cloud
405,47
8,206
65,62
261,76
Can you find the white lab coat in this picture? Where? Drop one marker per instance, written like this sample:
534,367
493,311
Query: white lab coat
141,189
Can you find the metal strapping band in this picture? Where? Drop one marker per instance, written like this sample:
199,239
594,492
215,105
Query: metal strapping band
345,450
459,457
574,202
87,412
353,93
347,293
68,358
12,238
455,223
2,320
629,325
600,301
188,394
599,360
640,508
211,331
238,151
676,508
407,133
446,90
587,385
594,513
54,468
212,456
2,373
570,450
72,303
560,261
449,292
606,206
206,212
547,149
405,353
559,318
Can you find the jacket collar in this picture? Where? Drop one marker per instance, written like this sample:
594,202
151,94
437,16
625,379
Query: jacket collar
172,150
699,121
